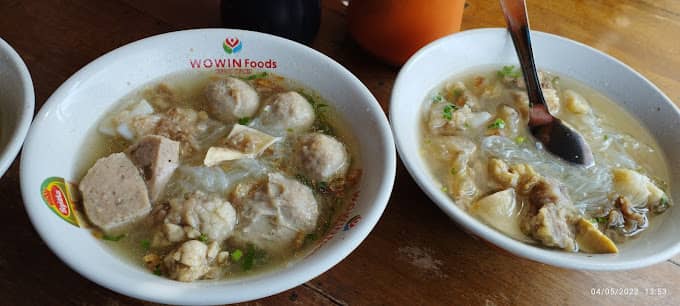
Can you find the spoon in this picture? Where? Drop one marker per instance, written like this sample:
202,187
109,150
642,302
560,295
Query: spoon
556,136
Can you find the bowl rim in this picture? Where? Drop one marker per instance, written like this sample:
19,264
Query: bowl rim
22,125
303,273
477,228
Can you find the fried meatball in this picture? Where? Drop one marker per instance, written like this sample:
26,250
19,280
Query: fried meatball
199,213
188,262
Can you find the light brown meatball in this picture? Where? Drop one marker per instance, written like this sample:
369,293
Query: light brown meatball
114,193
322,157
287,111
272,216
230,99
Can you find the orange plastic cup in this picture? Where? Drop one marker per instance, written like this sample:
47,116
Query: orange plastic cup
393,30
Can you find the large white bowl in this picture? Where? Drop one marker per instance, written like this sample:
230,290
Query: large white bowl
460,52
60,127
17,101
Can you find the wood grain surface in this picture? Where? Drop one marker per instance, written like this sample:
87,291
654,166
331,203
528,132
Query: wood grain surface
415,255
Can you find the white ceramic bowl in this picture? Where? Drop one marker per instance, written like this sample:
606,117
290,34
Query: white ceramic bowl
17,101
457,53
60,127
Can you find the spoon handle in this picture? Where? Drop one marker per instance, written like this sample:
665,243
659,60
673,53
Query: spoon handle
515,12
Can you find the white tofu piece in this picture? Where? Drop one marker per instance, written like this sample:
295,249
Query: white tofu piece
242,142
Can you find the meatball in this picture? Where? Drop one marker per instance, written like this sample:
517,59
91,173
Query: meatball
114,193
550,215
287,111
551,227
230,99
277,212
157,157
322,157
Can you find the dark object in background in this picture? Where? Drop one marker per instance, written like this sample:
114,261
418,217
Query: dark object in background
293,19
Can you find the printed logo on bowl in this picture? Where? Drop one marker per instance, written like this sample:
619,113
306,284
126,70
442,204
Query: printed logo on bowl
232,45
351,223
58,196
233,64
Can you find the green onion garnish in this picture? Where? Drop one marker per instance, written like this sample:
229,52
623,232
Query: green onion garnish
113,238
203,238
497,124
508,71
601,219
236,255
244,120
447,112
256,76
146,245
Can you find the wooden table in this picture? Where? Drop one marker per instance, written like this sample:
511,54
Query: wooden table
415,255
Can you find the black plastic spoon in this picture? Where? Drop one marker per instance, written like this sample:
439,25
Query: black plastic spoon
556,136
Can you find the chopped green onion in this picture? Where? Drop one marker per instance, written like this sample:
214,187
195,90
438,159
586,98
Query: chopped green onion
601,219
508,71
322,187
113,238
310,238
447,112
304,180
203,238
606,137
320,106
236,255
146,245
457,93
466,125
324,128
497,124
444,189
320,123
289,130
256,76
252,254
244,120
248,261
663,202
454,171
520,140
157,271
438,98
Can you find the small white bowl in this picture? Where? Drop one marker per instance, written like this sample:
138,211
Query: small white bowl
460,52
17,101
60,129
